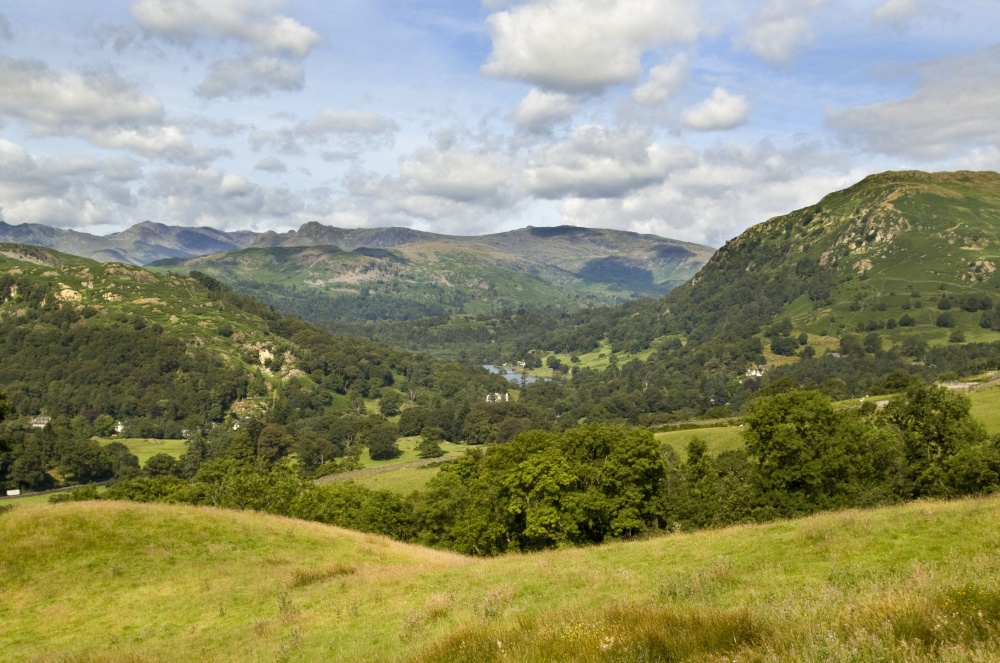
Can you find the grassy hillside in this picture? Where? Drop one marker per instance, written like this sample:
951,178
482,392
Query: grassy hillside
409,275
117,582
896,245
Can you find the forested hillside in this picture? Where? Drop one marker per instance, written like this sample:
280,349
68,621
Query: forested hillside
86,345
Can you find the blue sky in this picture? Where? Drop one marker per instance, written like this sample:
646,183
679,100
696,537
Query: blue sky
684,118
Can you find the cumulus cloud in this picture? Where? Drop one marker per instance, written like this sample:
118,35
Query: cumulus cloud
255,22
450,190
271,165
714,195
596,162
279,43
66,191
952,110
539,110
665,79
209,197
780,29
101,108
584,45
720,111
465,177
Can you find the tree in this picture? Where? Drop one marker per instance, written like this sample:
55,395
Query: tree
273,442
390,402
104,425
124,463
811,456
28,469
430,444
84,461
162,465
382,442
935,423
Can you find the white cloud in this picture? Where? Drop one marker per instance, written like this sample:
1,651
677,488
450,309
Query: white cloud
780,29
584,45
665,80
954,109
451,190
539,110
251,21
271,165
101,108
58,104
596,162
279,43
716,194
720,111
65,191
208,197
464,177
255,76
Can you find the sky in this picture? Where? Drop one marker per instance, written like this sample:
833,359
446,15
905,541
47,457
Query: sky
688,119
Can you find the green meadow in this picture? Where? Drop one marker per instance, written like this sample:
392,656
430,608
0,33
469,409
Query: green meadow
150,582
146,448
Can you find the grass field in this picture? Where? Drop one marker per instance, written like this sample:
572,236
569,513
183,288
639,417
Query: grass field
986,408
408,445
136,582
398,474
718,439
146,448
404,480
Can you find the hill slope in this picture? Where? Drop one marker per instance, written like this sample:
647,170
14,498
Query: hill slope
121,340
886,247
326,273
124,581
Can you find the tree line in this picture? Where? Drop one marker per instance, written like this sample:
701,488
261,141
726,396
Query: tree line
595,483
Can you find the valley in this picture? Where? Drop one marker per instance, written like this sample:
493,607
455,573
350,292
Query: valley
782,399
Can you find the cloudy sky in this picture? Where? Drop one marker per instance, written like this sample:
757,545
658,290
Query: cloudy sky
690,119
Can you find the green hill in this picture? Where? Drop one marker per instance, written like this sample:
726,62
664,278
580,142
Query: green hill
328,274
906,246
133,582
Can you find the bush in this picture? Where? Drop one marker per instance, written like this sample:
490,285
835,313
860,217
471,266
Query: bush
945,320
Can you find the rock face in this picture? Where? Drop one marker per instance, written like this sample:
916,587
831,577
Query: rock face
141,244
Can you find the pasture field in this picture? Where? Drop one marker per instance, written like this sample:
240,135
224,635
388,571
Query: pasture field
986,408
146,448
111,581
718,439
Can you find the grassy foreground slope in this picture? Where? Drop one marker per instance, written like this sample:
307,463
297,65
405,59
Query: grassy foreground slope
121,581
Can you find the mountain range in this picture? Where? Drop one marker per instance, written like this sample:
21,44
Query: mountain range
333,274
